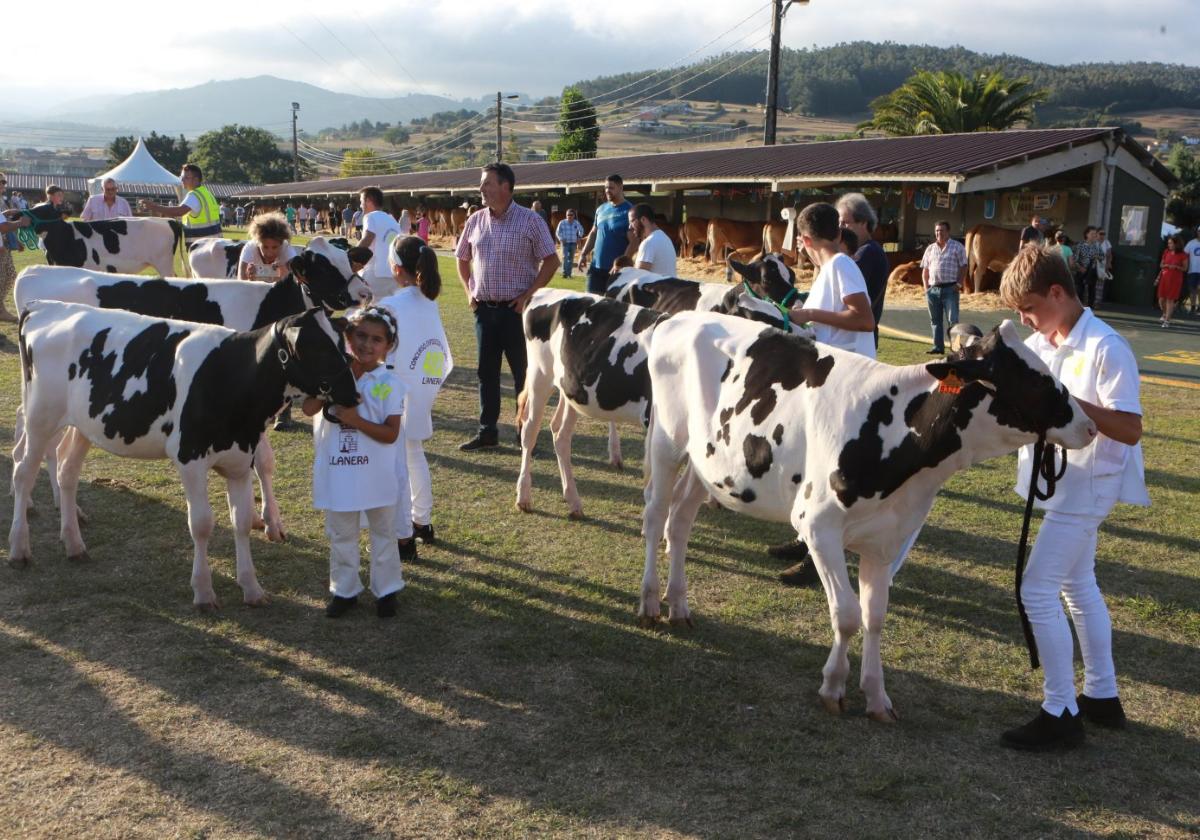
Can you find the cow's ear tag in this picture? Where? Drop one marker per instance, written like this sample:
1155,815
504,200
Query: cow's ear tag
283,356
952,384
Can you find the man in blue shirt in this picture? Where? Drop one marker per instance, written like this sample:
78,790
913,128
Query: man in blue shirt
609,236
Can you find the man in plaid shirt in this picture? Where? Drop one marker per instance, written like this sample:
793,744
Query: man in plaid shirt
505,254
943,269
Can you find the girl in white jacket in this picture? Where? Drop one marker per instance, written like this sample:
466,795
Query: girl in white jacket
422,361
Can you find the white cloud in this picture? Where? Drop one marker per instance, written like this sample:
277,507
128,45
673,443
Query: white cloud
470,47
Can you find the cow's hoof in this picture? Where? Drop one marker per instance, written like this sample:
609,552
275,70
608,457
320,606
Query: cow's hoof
81,557
575,514
835,705
525,507
885,716
276,535
20,562
648,622
262,599
618,465
684,622
207,606
258,524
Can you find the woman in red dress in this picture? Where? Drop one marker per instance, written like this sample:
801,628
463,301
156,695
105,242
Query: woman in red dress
1170,278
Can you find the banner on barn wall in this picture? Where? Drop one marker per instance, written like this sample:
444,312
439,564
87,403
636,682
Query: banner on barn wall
1018,207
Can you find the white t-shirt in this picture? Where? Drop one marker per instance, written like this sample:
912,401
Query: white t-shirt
421,358
658,250
386,229
192,202
839,278
351,471
1193,252
252,256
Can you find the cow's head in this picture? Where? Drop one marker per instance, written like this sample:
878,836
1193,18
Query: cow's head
1026,398
325,272
622,276
314,365
768,277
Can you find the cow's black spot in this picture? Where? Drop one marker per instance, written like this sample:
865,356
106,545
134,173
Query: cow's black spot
757,451
723,419
162,299
781,359
71,371
777,435
95,257
592,331
797,478
286,298
728,370
670,295
167,427
151,355
934,421
644,320
746,495
111,269
233,255
709,450
111,231
894,390
23,347
539,321
63,247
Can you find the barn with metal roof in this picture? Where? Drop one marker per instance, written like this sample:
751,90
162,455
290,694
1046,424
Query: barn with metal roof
1070,177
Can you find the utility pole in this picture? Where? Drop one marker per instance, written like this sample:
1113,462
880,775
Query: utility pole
498,152
295,145
778,10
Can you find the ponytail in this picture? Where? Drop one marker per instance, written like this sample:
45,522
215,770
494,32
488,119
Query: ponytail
418,259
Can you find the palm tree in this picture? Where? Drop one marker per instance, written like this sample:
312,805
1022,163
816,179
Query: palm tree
948,102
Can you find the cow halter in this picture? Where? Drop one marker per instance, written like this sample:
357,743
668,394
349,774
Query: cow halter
286,359
1044,465
781,305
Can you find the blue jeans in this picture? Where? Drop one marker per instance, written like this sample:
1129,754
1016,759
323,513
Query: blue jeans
943,303
597,280
568,257
499,334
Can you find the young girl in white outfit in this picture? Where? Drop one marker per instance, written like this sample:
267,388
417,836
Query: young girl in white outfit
422,361
354,471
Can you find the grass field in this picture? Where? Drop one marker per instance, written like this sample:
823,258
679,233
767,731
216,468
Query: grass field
515,694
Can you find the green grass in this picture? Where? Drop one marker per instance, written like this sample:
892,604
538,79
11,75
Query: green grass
516,695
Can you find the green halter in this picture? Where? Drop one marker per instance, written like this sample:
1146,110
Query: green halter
28,235
781,305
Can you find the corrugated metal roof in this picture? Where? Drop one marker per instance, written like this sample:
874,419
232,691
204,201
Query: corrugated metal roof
74,183
929,157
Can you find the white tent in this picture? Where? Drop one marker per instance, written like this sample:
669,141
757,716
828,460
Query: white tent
139,168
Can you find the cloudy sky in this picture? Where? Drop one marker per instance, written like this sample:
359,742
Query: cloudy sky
470,47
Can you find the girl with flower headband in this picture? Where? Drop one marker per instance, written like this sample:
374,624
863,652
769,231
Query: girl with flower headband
354,470
422,361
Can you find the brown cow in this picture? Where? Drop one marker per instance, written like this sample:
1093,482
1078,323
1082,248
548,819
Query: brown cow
908,273
725,235
458,218
772,242
671,229
989,249
693,234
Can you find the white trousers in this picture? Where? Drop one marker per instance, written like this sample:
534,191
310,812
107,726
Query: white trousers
1063,560
343,528
420,483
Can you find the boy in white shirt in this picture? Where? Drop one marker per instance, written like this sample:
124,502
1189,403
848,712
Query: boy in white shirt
837,305
379,229
1099,369
656,251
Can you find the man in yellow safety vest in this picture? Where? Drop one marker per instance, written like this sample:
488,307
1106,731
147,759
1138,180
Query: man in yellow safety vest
199,211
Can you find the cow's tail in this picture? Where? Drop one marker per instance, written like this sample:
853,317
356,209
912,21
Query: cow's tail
647,455
26,374
178,248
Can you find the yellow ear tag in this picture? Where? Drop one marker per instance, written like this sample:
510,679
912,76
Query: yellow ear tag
951,384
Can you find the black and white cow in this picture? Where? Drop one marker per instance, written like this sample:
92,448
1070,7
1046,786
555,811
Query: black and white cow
117,246
593,351
766,289
848,450
213,257
320,276
197,394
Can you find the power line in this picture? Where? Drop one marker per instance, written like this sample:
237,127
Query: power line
387,49
323,59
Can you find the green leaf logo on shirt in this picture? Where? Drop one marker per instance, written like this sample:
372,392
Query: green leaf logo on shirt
381,391
434,364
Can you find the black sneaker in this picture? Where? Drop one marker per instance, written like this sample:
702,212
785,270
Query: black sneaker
424,533
1046,732
790,550
803,573
483,440
935,351
385,607
1105,711
408,549
339,606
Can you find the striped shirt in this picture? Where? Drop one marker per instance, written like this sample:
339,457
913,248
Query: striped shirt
505,251
944,263
569,231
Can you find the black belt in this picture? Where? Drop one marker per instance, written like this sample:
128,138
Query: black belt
495,304
944,285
